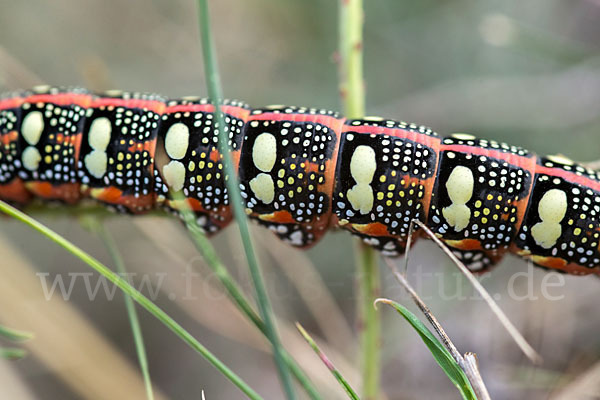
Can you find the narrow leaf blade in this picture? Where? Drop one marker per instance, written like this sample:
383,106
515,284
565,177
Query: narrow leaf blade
11,353
15,335
334,371
439,352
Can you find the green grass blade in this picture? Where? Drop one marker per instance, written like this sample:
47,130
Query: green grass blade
137,296
301,377
11,353
134,321
352,92
209,254
441,355
235,199
338,376
14,335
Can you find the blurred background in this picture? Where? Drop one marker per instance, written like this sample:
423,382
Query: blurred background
527,73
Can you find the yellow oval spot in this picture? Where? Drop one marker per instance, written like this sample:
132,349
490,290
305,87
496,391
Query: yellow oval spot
264,152
363,164
31,158
263,188
460,186
96,162
174,173
560,159
99,133
177,140
372,118
362,169
551,209
32,127
463,136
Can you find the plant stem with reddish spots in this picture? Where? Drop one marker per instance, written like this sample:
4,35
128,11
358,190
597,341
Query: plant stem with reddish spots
352,88
369,322
352,94
334,371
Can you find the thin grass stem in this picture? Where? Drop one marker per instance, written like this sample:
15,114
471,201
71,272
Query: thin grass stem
213,261
470,369
511,329
427,312
134,294
134,321
235,199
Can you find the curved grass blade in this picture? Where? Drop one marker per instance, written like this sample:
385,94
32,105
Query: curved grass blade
343,382
441,355
15,335
137,296
11,353
235,199
134,320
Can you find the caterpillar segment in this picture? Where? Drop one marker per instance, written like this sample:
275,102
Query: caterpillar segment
116,160
561,228
301,172
287,170
12,187
188,159
480,197
51,131
385,175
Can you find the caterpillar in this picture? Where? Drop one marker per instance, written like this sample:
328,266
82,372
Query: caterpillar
301,172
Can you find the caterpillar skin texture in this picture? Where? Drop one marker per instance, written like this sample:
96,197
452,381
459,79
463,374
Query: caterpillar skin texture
302,171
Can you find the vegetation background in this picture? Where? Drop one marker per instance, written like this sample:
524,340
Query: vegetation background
527,73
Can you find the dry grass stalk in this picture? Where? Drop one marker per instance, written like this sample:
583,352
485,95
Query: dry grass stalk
512,330
470,369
